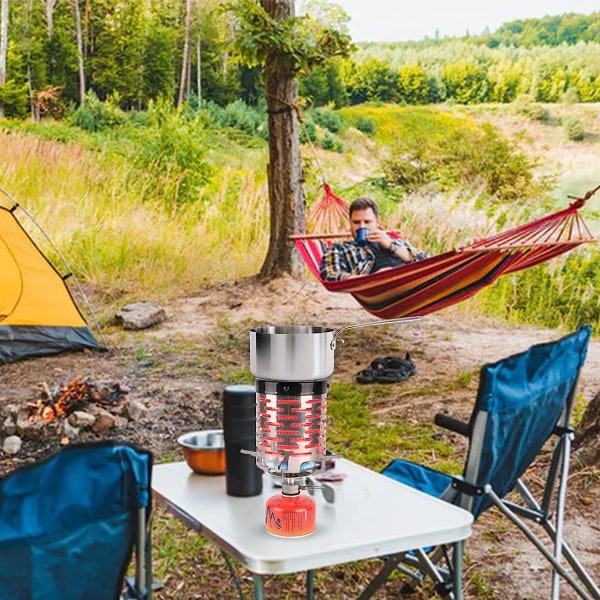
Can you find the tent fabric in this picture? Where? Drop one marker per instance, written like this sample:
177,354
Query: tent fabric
422,287
68,524
38,315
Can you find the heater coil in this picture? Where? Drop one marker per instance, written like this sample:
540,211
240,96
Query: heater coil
290,432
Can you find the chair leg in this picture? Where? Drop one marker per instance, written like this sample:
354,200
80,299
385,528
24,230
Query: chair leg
391,562
539,545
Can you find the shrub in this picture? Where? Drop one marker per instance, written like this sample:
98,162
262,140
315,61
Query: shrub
96,115
14,99
526,105
366,125
237,115
464,155
308,132
574,130
328,119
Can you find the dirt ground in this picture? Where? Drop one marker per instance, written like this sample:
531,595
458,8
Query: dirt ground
179,369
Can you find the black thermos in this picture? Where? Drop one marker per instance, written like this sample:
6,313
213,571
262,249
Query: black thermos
242,476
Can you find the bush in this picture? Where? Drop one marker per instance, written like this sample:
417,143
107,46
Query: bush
526,105
574,130
366,125
14,99
95,115
465,155
237,115
328,119
308,132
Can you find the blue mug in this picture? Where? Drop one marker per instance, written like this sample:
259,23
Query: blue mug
361,236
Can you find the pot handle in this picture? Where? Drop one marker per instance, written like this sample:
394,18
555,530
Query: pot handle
334,341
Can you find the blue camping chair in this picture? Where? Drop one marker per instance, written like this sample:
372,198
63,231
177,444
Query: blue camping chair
522,401
69,524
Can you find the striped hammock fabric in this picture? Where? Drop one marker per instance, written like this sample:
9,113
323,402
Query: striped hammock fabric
420,288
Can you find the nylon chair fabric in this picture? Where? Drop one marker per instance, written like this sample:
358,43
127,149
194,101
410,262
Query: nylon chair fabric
69,523
521,402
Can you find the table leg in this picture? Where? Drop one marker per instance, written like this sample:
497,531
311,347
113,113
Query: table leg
457,560
310,585
258,586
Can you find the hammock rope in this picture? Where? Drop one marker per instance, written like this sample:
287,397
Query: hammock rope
420,288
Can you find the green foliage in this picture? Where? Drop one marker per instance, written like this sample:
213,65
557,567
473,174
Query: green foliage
560,294
432,147
95,115
574,129
366,125
466,82
414,86
238,115
308,132
297,44
14,99
568,28
172,153
372,80
327,118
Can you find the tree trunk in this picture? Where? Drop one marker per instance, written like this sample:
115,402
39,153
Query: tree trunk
587,436
79,53
199,68
3,45
49,4
3,39
285,177
185,63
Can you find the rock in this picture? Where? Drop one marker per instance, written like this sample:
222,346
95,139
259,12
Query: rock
12,445
140,315
80,418
70,432
136,410
104,422
10,426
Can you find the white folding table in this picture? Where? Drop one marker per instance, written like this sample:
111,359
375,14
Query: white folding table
372,516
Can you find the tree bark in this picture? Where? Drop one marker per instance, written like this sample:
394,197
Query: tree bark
286,194
185,63
79,52
587,436
49,5
3,39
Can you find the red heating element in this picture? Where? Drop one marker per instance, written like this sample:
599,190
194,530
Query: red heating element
290,431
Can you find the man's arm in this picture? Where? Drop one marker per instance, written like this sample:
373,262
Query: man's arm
334,264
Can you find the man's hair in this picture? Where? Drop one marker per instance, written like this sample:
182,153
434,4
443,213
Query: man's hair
363,203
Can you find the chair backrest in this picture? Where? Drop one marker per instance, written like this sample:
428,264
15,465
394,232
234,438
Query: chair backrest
520,402
68,524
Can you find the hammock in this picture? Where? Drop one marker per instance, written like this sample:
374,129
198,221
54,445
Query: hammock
422,287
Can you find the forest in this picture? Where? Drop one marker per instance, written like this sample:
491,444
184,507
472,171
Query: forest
54,54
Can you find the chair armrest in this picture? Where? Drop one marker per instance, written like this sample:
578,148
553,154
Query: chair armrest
452,424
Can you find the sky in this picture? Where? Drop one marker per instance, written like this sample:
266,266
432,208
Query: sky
399,20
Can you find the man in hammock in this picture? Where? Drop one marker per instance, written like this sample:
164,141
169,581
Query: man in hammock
370,249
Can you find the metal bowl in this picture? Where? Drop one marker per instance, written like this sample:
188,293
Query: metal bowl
204,451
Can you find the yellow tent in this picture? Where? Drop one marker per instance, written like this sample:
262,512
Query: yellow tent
38,315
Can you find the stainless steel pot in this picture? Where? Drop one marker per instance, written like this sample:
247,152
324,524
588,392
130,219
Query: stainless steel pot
299,352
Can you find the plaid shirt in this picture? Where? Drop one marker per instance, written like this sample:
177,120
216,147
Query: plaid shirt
342,259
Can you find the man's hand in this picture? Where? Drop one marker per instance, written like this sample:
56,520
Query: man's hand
379,236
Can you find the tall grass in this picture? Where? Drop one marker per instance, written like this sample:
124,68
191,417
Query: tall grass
120,240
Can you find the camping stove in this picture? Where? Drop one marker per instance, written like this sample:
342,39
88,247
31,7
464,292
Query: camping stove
291,365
